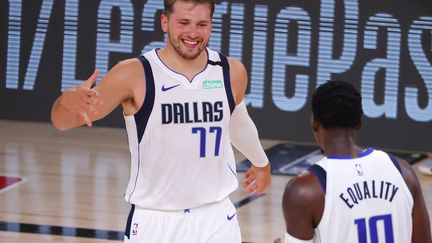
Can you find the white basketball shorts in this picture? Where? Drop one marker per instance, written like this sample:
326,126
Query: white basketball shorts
215,223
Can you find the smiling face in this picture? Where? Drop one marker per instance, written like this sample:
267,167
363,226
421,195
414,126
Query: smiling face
188,28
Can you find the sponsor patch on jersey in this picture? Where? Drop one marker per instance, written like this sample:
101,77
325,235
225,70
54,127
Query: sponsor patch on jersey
212,84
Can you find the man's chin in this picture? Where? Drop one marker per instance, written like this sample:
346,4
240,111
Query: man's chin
190,56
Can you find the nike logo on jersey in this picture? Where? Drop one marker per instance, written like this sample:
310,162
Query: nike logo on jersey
169,87
231,217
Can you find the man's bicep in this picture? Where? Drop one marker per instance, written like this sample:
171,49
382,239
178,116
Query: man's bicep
239,80
421,222
116,87
297,210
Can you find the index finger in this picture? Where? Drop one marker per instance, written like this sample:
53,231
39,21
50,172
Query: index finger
90,92
249,172
92,79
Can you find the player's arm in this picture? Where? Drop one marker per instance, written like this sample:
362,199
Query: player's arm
244,135
83,104
239,79
303,205
421,224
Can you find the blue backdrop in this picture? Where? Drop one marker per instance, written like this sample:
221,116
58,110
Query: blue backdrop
289,47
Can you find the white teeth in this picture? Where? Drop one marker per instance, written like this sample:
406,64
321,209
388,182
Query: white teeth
190,42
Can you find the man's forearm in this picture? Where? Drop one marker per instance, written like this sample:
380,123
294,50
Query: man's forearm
62,118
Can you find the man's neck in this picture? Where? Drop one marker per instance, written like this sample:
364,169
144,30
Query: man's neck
340,142
187,67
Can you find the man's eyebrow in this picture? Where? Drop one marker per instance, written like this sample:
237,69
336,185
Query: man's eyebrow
183,19
189,20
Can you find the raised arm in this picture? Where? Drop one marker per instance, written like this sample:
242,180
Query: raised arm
83,104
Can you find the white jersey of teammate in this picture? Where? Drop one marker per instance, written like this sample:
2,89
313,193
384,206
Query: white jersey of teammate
181,154
366,199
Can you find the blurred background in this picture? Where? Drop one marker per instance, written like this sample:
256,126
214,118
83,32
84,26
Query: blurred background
62,184
289,48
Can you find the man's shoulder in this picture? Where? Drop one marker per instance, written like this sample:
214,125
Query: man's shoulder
127,70
236,64
148,52
305,186
130,64
215,54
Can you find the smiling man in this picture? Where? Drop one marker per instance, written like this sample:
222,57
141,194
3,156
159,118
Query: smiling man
183,107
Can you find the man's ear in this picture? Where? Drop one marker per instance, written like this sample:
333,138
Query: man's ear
359,124
315,125
164,22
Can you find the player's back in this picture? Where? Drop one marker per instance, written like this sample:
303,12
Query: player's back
366,200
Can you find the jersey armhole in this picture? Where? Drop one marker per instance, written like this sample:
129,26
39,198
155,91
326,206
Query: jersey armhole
320,174
143,114
396,163
227,81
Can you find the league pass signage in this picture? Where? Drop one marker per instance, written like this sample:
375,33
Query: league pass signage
289,47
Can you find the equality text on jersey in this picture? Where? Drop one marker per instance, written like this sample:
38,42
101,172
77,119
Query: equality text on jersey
368,190
192,112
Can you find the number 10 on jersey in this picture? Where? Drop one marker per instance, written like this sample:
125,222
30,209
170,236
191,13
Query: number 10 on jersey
373,228
202,131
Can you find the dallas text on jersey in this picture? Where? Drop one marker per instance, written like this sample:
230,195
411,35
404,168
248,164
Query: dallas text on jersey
193,112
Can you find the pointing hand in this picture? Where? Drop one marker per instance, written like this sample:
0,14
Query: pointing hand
82,100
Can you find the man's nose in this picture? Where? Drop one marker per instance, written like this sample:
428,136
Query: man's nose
192,31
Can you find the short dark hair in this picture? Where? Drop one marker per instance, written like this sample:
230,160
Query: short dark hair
337,104
168,5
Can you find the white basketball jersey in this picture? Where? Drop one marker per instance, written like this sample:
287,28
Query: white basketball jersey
181,154
366,200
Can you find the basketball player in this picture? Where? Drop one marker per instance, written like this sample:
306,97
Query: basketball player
183,106
353,194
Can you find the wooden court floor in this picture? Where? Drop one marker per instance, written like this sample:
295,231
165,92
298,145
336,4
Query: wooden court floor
73,185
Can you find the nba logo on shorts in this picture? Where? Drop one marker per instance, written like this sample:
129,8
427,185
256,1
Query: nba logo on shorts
135,229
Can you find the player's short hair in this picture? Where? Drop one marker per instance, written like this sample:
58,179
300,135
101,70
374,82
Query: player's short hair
337,104
168,5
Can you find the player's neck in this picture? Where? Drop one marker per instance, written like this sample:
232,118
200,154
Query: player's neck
340,142
187,67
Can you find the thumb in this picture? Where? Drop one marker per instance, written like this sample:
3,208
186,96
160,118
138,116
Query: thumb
90,81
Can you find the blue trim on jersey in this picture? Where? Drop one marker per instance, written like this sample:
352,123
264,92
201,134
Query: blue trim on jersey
130,156
232,170
129,221
172,70
227,81
365,152
362,154
339,157
320,174
143,115
138,172
396,163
